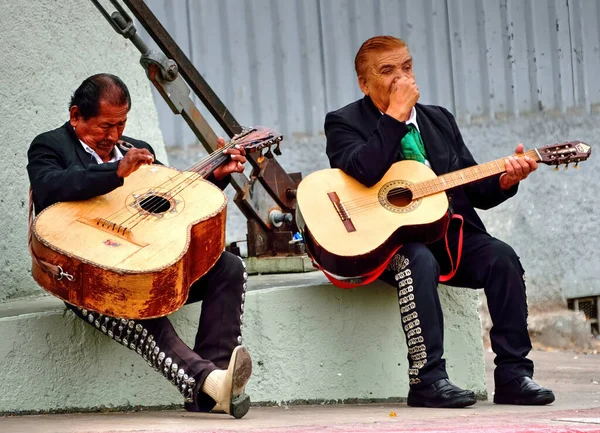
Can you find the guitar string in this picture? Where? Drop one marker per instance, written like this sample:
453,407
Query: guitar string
144,215
190,169
156,201
357,204
186,182
199,175
423,183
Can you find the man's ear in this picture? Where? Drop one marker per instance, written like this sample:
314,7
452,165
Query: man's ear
74,116
362,82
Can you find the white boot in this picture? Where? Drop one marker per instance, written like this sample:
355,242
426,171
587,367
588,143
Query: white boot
226,387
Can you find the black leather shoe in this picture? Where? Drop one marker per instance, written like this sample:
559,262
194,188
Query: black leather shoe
440,394
523,390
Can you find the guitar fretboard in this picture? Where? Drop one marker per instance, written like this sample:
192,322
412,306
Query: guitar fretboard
464,176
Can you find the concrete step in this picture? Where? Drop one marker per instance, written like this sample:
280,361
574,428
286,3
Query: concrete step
310,343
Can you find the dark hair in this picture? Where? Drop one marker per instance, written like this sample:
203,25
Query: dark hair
99,87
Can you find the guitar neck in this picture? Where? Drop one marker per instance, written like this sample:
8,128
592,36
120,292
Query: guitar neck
207,165
465,176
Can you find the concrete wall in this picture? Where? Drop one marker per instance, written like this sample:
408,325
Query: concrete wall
309,341
49,47
289,62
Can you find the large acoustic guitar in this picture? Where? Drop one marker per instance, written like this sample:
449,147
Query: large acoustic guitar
350,230
134,252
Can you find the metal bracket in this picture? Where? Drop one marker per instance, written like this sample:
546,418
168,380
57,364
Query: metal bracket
270,188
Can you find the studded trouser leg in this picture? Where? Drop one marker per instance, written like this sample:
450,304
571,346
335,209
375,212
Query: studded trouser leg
160,346
414,272
223,293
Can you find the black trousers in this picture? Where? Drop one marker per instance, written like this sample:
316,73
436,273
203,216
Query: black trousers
486,262
222,291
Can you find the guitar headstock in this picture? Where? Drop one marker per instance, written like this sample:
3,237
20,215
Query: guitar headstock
258,138
564,153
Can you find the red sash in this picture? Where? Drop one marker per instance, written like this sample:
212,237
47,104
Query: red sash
373,275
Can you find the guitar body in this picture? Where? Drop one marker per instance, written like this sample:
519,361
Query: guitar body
382,217
133,253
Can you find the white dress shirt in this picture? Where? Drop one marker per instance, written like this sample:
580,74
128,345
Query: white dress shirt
116,154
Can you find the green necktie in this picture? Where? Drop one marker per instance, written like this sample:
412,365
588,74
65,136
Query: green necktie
412,145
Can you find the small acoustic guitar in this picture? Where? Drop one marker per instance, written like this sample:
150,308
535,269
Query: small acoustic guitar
134,252
350,229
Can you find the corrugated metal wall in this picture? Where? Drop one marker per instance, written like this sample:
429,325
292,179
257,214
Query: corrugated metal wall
285,63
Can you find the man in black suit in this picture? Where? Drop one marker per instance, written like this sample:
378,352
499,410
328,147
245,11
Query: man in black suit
364,139
88,156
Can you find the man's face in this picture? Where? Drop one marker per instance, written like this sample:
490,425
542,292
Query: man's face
382,69
102,131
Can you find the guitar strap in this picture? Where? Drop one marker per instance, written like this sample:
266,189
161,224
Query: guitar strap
373,275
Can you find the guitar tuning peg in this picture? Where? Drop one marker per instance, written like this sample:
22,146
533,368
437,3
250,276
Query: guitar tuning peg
577,166
567,166
556,168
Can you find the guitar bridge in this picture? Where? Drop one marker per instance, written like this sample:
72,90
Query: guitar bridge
113,228
341,211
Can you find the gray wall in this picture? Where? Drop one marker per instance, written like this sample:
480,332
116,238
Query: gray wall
511,70
286,63
48,48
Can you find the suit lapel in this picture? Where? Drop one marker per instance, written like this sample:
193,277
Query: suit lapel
437,152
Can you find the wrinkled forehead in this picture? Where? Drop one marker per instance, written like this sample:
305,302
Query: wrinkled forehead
112,113
394,57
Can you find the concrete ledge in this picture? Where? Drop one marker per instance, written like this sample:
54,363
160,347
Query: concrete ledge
310,342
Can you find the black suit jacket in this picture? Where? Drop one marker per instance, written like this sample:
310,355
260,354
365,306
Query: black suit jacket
60,169
364,144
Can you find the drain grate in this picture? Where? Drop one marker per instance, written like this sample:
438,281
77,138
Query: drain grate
590,307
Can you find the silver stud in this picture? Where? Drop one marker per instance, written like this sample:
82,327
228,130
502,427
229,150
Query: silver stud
239,339
97,323
245,275
144,333
131,324
117,339
132,345
241,317
123,322
168,362
244,286
139,327
125,342
150,338
103,329
152,344
174,368
180,374
90,317
156,350
84,312
110,334
242,307
243,297
161,357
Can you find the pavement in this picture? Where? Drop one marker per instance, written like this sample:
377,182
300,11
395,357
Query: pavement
573,377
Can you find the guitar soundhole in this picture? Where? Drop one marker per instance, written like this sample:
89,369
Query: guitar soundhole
400,197
155,204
